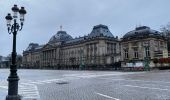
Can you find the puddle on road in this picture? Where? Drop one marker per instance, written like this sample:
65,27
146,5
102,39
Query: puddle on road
62,83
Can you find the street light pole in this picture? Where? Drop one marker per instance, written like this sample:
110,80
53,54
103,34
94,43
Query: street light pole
13,77
146,59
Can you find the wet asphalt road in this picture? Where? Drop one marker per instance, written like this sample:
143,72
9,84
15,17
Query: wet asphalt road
89,85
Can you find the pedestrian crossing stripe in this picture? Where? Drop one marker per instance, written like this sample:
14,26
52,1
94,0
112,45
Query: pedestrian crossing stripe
26,90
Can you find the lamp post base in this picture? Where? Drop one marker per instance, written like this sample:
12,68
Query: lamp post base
13,86
13,97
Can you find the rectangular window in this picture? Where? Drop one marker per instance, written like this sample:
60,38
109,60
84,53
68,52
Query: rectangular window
108,48
114,47
161,44
95,47
136,53
147,52
126,54
111,48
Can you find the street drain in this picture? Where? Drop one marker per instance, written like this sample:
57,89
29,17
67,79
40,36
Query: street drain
61,83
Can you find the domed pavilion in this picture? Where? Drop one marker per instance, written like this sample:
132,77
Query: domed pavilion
142,44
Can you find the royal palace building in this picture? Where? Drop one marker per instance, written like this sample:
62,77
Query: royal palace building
99,49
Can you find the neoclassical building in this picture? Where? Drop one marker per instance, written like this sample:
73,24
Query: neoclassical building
140,44
96,50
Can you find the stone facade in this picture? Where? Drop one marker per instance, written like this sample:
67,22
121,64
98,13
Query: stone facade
142,43
100,49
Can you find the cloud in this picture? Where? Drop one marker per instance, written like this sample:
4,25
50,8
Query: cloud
78,18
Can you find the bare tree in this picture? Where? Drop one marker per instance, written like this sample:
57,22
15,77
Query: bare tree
18,60
166,32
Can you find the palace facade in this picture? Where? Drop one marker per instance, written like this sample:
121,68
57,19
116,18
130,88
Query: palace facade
98,50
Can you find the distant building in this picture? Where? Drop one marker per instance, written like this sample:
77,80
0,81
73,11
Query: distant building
4,62
31,56
0,61
140,44
98,50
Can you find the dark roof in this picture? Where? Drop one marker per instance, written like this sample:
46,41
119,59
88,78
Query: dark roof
33,47
142,32
60,36
75,40
100,30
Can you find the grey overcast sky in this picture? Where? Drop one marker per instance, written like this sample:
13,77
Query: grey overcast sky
78,18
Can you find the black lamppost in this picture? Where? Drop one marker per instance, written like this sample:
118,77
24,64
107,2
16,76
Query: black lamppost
14,28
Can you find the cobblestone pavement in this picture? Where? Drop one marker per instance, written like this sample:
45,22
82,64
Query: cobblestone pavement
89,85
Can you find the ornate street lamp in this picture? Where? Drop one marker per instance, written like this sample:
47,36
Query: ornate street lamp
14,28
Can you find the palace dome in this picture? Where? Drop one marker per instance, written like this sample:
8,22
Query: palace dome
142,32
60,36
100,30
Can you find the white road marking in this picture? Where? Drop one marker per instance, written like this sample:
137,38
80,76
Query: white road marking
116,79
91,75
29,91
44,81
4,87
150,81
165,82
41,82
158,85
106,96
25,89
146,87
